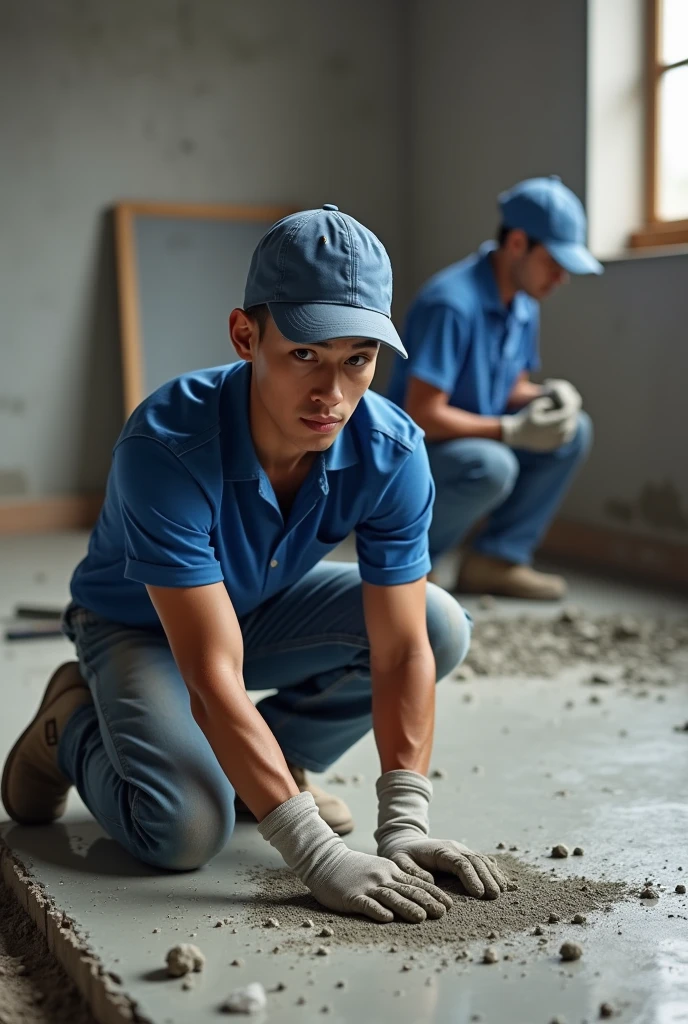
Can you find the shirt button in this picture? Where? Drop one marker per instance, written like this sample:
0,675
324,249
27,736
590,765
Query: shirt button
274,563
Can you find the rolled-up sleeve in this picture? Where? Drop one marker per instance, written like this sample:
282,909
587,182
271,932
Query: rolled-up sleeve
167,517
392,543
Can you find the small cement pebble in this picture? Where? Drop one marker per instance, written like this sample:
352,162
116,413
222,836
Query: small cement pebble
325,1008
156,931
251,999
490,955
187,985
579,919
407,967
326,932
606,1011
276,949
578,851
307,923
301,1001
438,773
649,893
272,922
559,851
322,951
554,918
219,924
183,959
340,984
571,951
680,889
539,930
237,962
493,935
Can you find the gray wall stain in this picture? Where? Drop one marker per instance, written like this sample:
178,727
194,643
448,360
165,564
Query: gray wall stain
13,483
621,511
661,506
13,405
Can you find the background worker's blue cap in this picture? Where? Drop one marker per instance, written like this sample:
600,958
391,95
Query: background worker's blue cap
551,214
324,276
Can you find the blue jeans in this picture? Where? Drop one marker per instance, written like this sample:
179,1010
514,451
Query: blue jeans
142,765
520,491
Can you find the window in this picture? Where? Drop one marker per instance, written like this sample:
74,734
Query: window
666,167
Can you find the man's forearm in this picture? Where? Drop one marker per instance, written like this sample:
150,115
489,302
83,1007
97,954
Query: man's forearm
404,713
242,742
524,391
446,423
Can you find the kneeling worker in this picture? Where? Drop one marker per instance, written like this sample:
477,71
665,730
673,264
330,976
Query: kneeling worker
501,447
204,578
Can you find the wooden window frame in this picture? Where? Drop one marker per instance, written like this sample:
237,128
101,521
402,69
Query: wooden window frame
656,232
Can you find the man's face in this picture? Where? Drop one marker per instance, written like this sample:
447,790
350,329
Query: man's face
308,392
537,273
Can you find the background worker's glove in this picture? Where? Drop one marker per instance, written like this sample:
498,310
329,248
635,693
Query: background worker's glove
402,835
340,878
539,427
567,398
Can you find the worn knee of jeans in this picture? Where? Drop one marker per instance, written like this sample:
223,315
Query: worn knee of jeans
188,833
449,630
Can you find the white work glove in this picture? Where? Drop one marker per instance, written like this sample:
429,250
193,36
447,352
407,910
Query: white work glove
402,835
567,398
539,427
341,879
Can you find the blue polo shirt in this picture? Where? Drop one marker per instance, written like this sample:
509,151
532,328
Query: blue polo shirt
462,339
188,504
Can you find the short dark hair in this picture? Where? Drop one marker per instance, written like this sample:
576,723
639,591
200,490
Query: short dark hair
503,233
260,314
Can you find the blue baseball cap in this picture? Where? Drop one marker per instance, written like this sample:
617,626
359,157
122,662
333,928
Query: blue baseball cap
550,213
324,276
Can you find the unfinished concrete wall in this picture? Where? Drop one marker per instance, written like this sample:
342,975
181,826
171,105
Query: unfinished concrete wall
500,95
210,100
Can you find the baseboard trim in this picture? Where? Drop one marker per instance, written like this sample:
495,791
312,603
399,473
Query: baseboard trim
634,555
61,512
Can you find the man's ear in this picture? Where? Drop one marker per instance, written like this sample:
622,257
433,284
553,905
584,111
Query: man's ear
517,242
243,333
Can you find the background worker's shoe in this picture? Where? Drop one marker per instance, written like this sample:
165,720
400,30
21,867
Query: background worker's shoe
332,809
34,790
480,574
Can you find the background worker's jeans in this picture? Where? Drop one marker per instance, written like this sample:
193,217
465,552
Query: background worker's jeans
143,766
519,490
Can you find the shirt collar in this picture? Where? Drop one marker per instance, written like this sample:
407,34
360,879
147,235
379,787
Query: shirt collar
239,459
489,295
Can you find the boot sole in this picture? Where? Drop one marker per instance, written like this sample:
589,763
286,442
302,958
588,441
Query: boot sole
48,699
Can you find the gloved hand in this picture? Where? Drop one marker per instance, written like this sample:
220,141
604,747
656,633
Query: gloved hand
402,835
538,427
341,879
568,398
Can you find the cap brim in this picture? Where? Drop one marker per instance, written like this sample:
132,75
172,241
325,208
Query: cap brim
574,257
308,323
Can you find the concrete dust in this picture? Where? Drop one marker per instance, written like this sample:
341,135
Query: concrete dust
34,989
643,650
539,899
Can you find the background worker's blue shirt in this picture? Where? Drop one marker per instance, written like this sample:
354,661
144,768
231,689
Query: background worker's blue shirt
462,339
188,504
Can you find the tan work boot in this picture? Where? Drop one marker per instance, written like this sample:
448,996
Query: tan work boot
332,809
480,574
34,790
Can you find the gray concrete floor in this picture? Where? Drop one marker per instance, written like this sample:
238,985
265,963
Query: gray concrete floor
626,806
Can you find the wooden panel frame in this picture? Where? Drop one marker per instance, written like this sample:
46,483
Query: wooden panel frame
656,232
127,280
